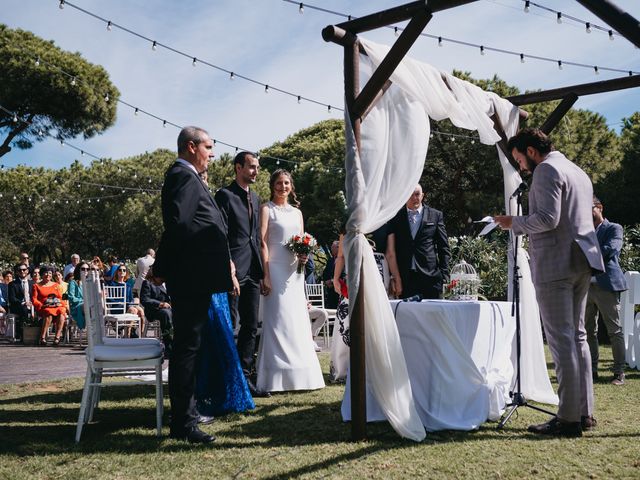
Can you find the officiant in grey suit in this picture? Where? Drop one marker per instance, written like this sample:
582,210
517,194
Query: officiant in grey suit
564,252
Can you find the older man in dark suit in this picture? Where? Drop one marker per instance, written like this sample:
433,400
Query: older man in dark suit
564,252
240,206
418,249
604,295
19,296
195,233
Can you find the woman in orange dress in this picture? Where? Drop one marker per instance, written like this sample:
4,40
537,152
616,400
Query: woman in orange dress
47,301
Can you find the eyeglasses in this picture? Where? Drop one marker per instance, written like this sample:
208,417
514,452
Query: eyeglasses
84,269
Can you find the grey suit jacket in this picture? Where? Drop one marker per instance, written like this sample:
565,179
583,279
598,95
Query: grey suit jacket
560,218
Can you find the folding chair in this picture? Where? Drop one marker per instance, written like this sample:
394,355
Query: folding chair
120,358
315,296
115,304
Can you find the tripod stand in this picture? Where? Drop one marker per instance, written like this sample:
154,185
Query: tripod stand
517,397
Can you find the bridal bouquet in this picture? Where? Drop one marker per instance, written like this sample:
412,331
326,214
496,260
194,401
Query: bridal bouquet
302,245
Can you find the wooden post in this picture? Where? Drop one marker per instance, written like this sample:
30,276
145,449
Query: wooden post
560,111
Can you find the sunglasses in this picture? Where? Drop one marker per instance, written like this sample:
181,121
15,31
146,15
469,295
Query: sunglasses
122,269
84,269
23,269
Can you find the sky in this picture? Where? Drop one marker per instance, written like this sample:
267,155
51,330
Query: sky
271,42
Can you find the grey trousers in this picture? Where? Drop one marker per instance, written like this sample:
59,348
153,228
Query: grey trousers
562,306
318,317
608,304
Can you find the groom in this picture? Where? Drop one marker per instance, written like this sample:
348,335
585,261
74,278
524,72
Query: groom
194,228
240,206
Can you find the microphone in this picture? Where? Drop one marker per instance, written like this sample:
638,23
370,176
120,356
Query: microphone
415,298
523,187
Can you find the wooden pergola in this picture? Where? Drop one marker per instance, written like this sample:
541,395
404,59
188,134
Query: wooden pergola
359,103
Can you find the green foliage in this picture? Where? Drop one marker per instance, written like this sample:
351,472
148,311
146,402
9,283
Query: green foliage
619,189
488,257
45,96
630,254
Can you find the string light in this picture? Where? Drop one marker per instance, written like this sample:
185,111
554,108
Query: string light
135,112
194,61
559,64
154,46
439,41
301,8
231,76
559,18
481,49
266,89
595,69
106,97
61,6
38,62
587,27
526,6
73,82
611,37
395,31
328,108
15,118
298,98
109,25
522,58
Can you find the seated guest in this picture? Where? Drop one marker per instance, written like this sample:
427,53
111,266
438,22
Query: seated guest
142,267
4,299
64,287
120,278
7,276
318,317
157,306
110,270
47,301
76,298
20,297
68,268
331,297
35,275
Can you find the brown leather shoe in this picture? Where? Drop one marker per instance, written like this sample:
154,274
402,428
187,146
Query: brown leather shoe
588,423
557,427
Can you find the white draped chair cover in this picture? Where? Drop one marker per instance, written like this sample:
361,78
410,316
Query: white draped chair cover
379,179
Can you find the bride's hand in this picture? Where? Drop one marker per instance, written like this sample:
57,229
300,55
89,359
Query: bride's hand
303,258
265,286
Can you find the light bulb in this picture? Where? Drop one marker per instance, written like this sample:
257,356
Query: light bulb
135,112
559,64
15,118
154,46
109,25
73,81
481,50
61,6
231,76
559,19
266,89
395,31
38,62
164,124
587,27
439,41
328,108
611,37
299,98
301,8
526,6
595,69
194,61
522,58
106,97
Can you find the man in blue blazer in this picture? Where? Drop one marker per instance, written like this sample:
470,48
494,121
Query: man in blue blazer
195,234
604,294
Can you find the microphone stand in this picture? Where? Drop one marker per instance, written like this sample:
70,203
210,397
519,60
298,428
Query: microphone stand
517,397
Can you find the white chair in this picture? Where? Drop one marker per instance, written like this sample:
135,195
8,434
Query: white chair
115,304
315,296
122,358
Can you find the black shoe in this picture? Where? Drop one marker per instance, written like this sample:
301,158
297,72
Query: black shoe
205,420
255,392
594,375
557,427
618,379
195,435
588,423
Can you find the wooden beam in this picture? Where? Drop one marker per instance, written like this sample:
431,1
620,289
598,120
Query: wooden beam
579,90
398,14
559,113
620,20
390,62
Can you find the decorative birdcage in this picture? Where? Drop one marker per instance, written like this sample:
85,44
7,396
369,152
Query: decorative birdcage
464,283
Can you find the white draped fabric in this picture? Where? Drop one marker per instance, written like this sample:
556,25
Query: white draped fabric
458,356
380,177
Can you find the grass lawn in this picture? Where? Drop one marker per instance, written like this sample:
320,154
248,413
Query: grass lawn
299,435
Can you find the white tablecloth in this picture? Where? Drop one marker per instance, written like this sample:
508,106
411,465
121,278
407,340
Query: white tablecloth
459,361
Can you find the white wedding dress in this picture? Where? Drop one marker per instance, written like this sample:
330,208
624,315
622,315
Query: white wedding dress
286,359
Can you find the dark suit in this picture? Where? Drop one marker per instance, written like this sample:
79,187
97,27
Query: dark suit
244,243
604,296
151,295
4,295
15,297
193,258
430,248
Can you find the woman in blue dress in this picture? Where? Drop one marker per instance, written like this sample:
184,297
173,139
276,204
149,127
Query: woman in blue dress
220,386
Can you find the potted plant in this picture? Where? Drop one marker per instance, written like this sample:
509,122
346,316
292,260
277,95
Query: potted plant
30,330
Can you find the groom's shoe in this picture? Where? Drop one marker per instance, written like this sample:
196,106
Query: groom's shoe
193,435
256,392
205,420
557,427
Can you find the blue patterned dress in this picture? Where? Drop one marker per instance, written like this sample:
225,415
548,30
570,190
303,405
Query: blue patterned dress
220,386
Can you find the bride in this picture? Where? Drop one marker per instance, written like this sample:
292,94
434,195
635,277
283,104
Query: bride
286,357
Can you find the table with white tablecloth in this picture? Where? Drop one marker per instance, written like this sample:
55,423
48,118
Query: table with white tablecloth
459,359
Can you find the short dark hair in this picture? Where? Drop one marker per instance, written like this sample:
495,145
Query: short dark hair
596,201
78,270
530,137
240,158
